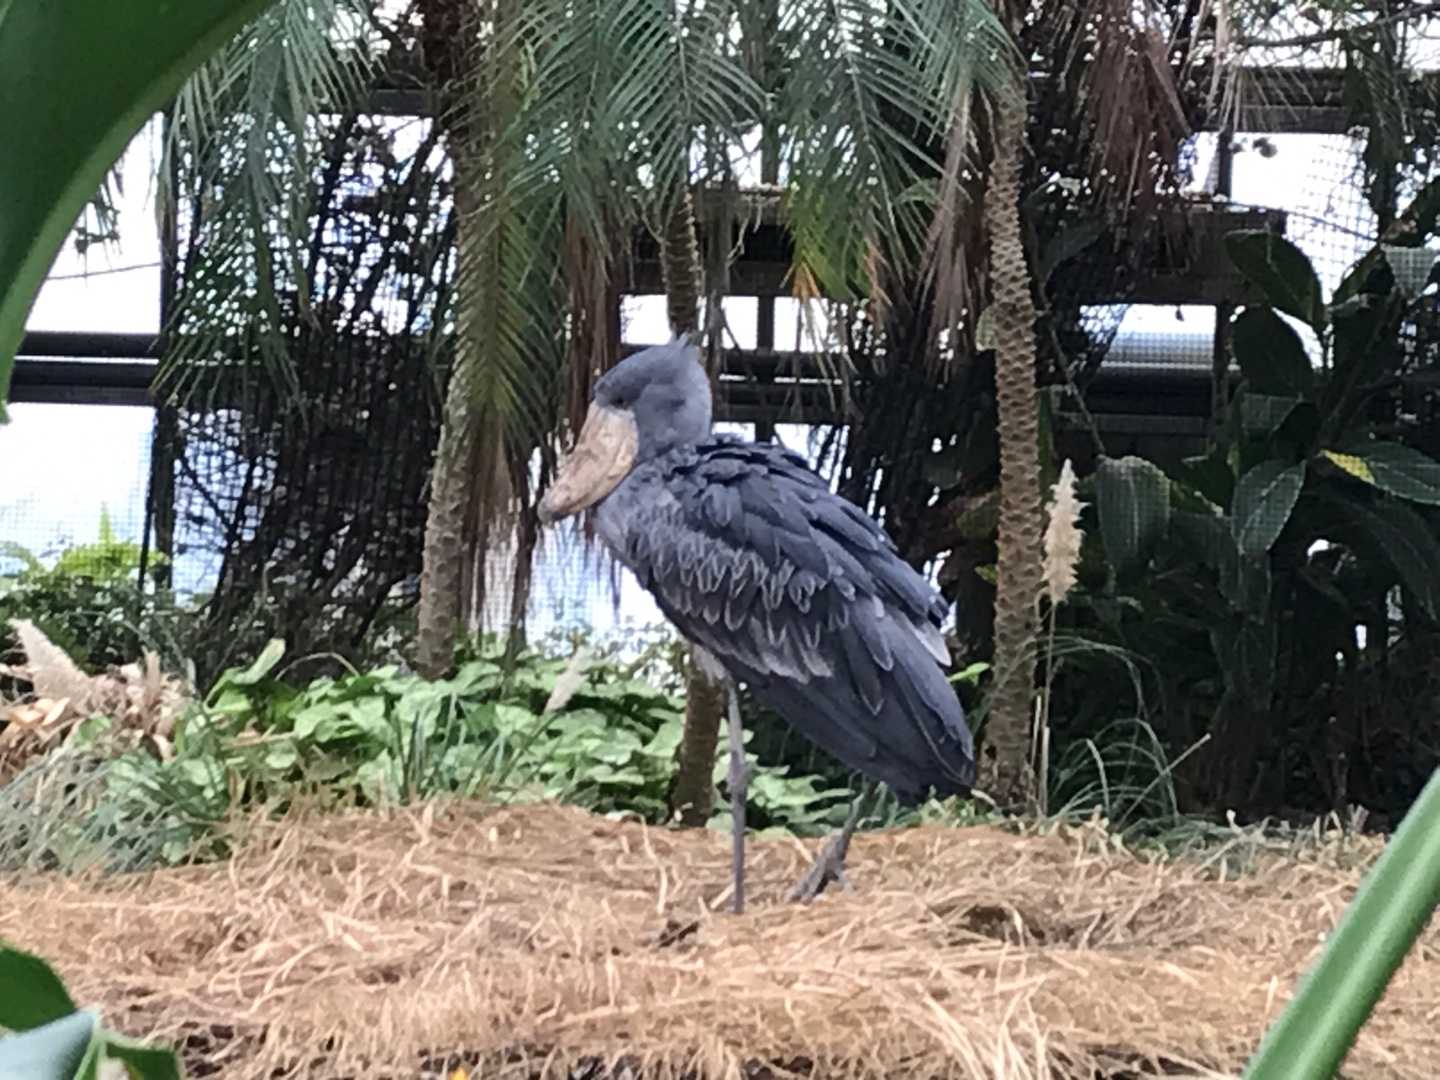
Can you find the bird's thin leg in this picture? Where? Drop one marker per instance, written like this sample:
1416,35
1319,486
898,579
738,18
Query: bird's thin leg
829,865
739,781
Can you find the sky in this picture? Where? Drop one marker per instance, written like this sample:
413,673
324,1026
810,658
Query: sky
76,459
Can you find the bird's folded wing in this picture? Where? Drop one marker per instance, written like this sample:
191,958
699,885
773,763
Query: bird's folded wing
752,556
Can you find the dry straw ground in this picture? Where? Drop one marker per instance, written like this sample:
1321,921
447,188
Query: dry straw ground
545,941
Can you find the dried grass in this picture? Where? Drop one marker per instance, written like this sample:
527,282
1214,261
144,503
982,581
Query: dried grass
541,940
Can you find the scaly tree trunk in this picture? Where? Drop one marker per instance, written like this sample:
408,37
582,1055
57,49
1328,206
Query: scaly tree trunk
692,795
473,99
444,554
1009,778
438,618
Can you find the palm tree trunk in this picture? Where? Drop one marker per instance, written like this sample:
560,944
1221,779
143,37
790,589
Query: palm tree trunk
692,795
442,573
1010,780
473,99
452,484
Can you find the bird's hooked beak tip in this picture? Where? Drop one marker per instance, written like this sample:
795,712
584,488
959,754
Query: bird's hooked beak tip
602,457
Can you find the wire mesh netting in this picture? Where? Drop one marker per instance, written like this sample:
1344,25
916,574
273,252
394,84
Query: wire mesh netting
301,451
59,500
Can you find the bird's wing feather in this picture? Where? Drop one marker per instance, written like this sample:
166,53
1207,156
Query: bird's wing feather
802,595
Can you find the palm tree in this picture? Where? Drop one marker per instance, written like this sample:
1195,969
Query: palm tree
573,152
692,794
472,58
620,94
1018,556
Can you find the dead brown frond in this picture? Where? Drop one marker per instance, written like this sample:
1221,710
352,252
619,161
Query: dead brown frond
956,231
1135,107
545,941
141,702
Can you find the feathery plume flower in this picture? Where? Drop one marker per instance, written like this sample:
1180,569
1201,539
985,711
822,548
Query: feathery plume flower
1062,536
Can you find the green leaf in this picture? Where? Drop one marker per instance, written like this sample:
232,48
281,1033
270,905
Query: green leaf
79,78
1409,544
281,757
58,1050
1262,414
1281,271
1069,242
1270,354
31,994
971,674
1366,347
141,1061
263,665
1394,904
1209,474
1133,500
1392,467
1264,499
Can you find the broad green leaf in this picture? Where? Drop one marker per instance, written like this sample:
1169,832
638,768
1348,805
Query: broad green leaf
1209,474
1246,583
262,666
1262,414
1270,354
1409,544
1351,464
141,1061
1366,347
281,757
79,78
1246,652
513,720
1281,271
1394,468
62,1049
379,779
1132,497
1207,535
1264,499
31,994
1069,242
603,773
309,721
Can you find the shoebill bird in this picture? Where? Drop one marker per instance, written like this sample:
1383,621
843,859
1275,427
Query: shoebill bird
792,590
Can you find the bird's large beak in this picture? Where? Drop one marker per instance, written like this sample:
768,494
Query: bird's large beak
602,456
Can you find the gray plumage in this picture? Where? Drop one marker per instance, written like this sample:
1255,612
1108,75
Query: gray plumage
795,591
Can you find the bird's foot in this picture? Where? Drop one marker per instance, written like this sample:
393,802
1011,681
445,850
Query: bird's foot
829,866
830,863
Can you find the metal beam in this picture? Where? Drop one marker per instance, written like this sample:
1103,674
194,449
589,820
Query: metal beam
755,386
1276,100
81,382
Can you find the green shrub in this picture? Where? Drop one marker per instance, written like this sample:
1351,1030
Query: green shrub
606,741
89,603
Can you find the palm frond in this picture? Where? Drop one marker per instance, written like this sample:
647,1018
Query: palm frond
238,162
871,94
620,93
